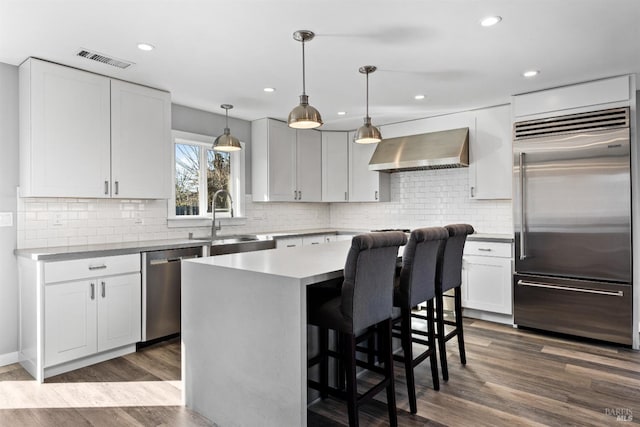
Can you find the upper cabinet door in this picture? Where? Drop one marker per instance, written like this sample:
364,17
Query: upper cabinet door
335,166
365,185
309,165
140,141
490,165
64,132
282,162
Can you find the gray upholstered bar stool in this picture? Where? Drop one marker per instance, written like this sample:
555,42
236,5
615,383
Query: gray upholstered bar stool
417,284
366,300
449,276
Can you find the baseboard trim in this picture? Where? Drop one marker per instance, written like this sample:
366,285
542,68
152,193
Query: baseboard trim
9,358
505,319
89,360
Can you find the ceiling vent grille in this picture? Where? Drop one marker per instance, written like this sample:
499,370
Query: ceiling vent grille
573,123
95,56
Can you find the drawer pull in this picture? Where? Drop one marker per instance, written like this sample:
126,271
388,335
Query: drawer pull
485,249
97,267
291,246
315,243
568,288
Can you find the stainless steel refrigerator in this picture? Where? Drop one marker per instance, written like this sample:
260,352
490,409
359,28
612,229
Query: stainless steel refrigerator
572,222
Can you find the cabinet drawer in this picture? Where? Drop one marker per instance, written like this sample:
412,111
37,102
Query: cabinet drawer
288,242
62,271
494,249
313,240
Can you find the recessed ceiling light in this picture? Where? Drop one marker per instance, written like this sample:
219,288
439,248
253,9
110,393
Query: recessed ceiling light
269,89
490,21
418,97
145,46
342,113
531,73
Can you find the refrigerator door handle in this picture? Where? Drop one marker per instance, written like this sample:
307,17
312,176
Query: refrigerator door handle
523,241
568,288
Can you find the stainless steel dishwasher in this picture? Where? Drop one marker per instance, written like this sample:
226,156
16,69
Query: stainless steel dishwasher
161,291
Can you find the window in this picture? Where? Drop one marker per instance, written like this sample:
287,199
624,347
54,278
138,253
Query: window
199,172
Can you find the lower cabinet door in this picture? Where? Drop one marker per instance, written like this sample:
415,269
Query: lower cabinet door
69,321
119,311
487,284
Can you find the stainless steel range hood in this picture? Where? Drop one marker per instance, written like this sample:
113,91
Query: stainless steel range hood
435,150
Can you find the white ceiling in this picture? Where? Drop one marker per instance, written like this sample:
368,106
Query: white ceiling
210,52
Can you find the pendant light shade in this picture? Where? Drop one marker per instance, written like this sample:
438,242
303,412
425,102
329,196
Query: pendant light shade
367,133
304,116
226,142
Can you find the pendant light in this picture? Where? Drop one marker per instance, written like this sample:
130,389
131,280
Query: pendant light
226,142
304,116
367,133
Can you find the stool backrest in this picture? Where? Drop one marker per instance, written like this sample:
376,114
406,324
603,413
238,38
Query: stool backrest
450,267
419,265
367,291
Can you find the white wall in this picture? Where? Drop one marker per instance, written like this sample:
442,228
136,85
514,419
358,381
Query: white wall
8,184
427,198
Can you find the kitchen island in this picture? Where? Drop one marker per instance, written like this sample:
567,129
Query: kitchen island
244,332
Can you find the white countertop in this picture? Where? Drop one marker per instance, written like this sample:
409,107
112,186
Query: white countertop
309,264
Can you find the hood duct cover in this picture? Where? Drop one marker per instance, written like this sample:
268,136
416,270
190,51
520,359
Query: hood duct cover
435,150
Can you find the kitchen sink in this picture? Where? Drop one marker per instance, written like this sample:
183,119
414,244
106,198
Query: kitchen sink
239,243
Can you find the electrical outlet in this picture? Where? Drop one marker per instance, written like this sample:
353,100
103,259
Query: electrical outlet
57,219
6,219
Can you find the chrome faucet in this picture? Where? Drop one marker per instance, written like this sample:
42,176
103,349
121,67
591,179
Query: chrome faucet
215,227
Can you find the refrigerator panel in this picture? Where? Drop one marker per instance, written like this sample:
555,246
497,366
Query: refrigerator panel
577,307
572,205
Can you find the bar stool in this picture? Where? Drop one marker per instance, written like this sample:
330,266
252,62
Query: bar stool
366,300
449,276
417,284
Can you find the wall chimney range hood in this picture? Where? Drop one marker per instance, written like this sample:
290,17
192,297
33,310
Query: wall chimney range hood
434,150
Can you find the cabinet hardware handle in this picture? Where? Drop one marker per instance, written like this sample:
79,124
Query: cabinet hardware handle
315,243
376,195
97,267
104,291
93,291
485,249
472,192
300,195
345,196
523,242
117,187
291,246
295,194
568,288
106,187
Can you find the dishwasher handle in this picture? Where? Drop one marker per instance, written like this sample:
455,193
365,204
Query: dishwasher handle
171,260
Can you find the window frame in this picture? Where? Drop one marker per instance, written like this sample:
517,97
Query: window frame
237,182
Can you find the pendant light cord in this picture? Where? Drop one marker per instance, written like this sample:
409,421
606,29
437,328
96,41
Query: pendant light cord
367,94
303,78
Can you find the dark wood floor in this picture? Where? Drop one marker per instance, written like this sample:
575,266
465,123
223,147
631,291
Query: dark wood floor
512,378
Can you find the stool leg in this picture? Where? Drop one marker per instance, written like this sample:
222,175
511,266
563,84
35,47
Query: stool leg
460,333
371,345
388,365
349,357
431,337
407,348
441,341
324,361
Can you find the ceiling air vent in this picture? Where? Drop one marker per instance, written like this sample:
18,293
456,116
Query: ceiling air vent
95,56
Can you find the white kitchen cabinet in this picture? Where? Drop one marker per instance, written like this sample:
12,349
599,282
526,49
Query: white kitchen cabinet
490,155
289,242
287,163
486,277
335,166
314,239
140,141
86,135
365,185
78,312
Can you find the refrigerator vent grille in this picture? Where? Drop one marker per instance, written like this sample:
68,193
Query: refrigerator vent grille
593,120
95,56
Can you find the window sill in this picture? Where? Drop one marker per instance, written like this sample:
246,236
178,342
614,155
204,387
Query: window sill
203,221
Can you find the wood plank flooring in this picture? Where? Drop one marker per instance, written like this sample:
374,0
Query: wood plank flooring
512,378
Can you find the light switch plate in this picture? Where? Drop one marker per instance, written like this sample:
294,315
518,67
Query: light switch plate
6,219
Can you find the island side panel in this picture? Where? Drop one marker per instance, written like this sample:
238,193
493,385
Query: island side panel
244,346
